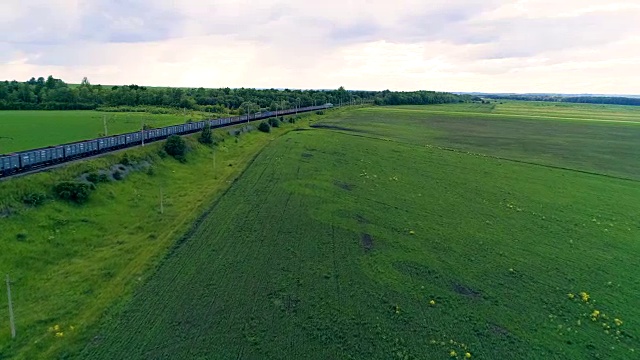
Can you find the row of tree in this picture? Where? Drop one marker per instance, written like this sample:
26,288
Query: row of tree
609,100
55,94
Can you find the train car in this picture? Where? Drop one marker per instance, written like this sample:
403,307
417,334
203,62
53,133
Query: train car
38,157
9,164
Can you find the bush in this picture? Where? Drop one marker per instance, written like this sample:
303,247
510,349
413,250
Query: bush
264,127
73,191
163,154
95,178
118,175
292,120
206,137
319,112
176,147
274,122
126,160
22,236
34,199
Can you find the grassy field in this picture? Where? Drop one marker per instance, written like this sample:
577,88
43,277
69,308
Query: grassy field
538,111
396,233
69,264
33,129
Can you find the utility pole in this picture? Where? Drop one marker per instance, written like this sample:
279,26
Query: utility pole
142,130
11,319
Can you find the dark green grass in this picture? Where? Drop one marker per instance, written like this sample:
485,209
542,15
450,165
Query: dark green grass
332,245
33,129
601,147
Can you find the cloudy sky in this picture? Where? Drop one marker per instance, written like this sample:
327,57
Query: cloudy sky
570,46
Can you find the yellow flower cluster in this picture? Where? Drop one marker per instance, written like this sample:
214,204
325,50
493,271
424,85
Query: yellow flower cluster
584,296
618,322
432,302
57,330
453,353
571,296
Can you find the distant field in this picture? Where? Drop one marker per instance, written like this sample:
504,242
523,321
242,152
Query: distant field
609,148
538,110
32,129
402,234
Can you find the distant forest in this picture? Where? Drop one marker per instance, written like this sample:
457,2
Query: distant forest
609,100
55,94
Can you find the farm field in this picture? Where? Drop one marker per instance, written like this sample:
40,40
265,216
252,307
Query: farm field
539,110
33,129
395,233
70,263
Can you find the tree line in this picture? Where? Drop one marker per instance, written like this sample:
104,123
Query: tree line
55,94
605,100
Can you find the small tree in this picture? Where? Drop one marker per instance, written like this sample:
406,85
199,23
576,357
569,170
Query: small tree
73,191
274,122
264,127
206,137
176,147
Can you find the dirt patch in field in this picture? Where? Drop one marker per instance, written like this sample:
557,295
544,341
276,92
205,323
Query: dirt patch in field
344,185
307,155
466,291
367,242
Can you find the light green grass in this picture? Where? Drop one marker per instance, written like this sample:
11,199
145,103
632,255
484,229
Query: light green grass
33,129
333,243
537,111
76,262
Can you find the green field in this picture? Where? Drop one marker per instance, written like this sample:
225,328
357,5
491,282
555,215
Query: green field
33,129
409,233
70,263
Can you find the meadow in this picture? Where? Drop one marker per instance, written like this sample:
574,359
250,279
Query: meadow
405,233
69,264
23,130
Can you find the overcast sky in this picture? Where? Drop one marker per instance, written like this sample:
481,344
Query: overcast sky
570,46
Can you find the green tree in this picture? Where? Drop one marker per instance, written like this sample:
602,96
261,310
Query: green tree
176,147
206,137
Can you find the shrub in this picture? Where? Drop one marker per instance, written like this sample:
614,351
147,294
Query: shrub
264,127
319,112
22,235
95,178
73,191
274,122
118,175
176,147
292,120
34,199
126,160
163,154
206,137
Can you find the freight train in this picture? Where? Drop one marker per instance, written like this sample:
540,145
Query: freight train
28,160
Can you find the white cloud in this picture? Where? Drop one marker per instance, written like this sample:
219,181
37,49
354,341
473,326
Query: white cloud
455,45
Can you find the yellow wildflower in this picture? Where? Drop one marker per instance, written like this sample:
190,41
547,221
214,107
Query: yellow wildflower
584,296
432,302
595,313
571,296
59,334
72,327
467,355
453,353
56,327
618,322
412,232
